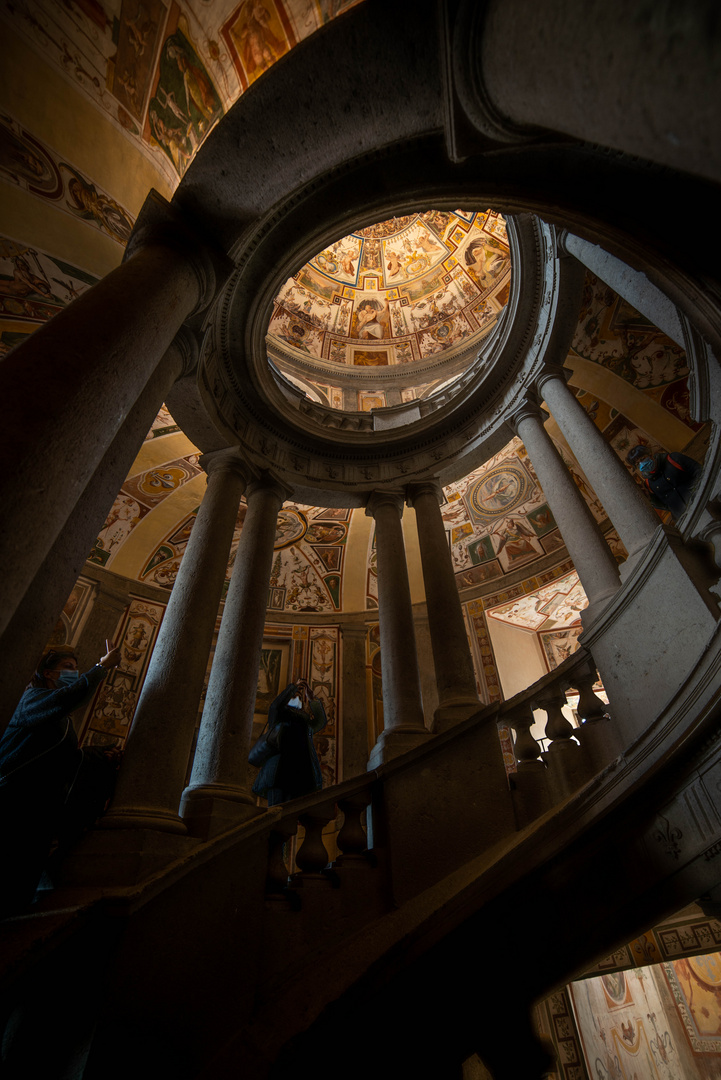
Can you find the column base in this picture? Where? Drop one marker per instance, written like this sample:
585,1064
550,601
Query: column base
392,744
635,557
211,809
143,817
450,713
596,608
122,856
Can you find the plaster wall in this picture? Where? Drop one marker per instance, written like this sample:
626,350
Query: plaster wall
354,577
519,657
38,224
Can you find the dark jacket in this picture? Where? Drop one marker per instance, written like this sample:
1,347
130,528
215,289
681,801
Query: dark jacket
39,764
40,738
672,481
295,768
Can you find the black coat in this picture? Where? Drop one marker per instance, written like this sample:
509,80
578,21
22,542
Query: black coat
295,768
39,761
672,481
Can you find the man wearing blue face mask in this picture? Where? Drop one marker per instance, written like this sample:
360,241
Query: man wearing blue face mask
39,763
669,478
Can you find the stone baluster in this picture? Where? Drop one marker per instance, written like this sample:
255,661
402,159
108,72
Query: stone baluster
352,839
312,854
278,872
567,766
39,610
559,730
622,499
69,388
155,763
531,796
402,703
527,750
452,661
218,795
590,707
592,557
597,735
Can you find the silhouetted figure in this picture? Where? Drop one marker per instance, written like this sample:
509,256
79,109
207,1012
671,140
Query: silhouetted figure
49,788
294,718
670,478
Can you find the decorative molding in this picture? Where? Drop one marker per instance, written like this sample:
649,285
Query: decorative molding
265,417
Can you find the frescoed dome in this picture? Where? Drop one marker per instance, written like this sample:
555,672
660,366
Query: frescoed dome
421,286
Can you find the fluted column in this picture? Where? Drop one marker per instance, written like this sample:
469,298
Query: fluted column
218,794
68,390
452,661
156,755
402,702
39,609
591,554
621,497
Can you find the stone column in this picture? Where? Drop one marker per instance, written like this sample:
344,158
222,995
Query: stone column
632,285
455,675
218,796
402,703
354,715
39,609
155,762
622,498
591,554
68,389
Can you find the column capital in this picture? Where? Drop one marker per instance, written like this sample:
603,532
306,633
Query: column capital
377,499
425,487
186,345
529,409
161,224
229,460
267,482
552,371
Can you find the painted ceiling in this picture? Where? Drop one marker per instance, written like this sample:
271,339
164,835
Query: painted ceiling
397,292
162,72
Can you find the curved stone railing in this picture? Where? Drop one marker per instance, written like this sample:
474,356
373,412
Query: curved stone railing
451,843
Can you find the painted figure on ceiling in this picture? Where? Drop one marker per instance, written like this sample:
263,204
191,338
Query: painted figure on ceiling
371,322
484,259
516,539
259,45
198,87
24,280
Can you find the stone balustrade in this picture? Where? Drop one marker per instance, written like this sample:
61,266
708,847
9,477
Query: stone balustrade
542,778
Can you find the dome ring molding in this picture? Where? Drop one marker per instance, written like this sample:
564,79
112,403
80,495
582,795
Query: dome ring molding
304,443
